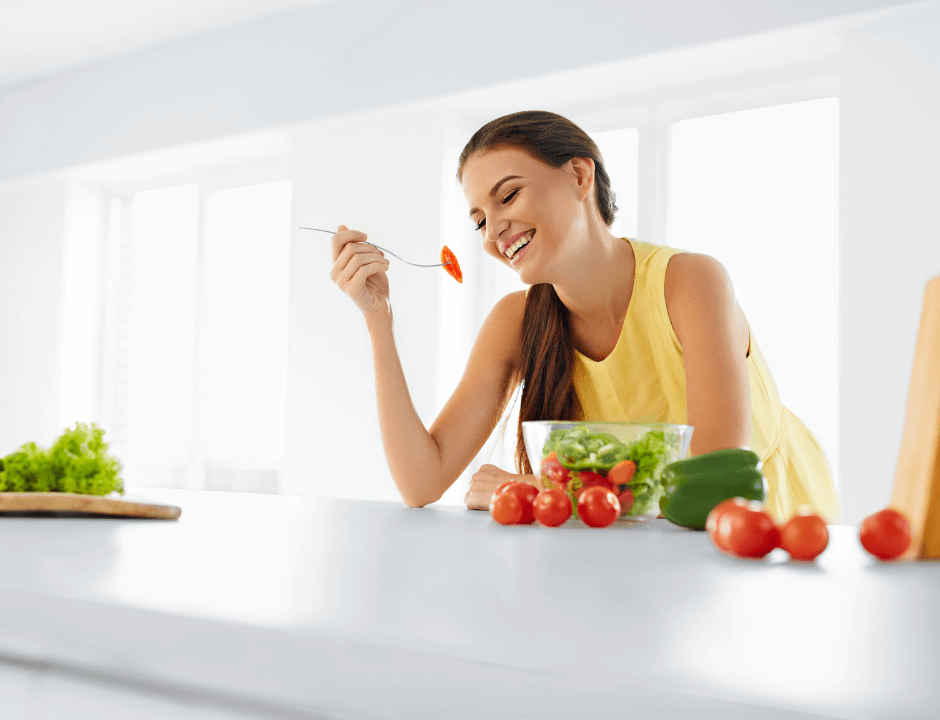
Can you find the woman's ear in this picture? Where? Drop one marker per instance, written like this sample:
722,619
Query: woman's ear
583,170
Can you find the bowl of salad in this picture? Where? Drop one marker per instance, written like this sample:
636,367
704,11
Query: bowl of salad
627,458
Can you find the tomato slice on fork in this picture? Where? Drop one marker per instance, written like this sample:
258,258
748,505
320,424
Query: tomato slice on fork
453,269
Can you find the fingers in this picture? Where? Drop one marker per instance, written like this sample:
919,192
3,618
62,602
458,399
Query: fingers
477,500
354,256
343,237
482,486
354,274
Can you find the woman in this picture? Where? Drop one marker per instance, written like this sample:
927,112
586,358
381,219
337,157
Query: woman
611,329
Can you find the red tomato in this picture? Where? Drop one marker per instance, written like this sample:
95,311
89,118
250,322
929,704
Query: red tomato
886,534
804,535
626,501
622,472
717,530
556,474
775,536
552,507
502,488
450,264
593,479
752,532
598,506
525,493
590,479
506,509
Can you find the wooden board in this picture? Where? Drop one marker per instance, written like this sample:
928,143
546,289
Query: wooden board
916,490
57,503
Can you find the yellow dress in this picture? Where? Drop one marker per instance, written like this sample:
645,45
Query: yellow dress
643,380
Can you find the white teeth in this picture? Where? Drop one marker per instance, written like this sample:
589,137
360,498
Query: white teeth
516,246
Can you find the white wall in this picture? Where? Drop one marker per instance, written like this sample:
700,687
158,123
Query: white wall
890,239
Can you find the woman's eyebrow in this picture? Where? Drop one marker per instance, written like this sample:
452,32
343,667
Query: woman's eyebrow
495,190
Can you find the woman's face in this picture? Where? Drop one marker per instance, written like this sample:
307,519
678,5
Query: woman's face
515,198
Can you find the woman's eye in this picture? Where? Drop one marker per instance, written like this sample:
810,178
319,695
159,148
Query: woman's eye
507,199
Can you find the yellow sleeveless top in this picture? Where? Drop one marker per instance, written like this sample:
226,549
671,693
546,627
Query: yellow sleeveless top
643,380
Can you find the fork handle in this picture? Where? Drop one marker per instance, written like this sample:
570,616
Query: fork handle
380,248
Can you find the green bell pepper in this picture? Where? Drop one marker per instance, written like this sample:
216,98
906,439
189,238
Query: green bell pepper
696,485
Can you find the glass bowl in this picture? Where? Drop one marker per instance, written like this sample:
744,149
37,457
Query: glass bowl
584,452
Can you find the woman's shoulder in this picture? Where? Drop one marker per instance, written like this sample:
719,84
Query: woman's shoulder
692,266
651,257
508,312
690,276
501,333
511,307
698,285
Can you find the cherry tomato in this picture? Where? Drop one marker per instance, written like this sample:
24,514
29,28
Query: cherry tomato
717,530
552,507
590,479
556,474
626,501
598,506
593,479
506,509
622,472
886,534
752,532
525,493
775,536
502,488
804,535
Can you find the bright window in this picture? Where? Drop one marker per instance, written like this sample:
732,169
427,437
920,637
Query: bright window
202,396
162,332
245,323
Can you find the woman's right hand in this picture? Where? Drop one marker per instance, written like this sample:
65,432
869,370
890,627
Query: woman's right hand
359,270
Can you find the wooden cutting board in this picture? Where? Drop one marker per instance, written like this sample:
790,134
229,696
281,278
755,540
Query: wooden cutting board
73,504
916,491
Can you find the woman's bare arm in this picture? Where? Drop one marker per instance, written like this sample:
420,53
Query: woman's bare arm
713,333
424,463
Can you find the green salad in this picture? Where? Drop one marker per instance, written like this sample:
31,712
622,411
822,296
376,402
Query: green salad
77,462
577,458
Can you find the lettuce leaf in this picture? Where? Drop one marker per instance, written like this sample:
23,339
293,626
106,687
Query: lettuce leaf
650,455
77,462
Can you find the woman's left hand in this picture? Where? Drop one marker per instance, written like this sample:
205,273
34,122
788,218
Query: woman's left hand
484,483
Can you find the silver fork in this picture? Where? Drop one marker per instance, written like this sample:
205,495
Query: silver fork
379,248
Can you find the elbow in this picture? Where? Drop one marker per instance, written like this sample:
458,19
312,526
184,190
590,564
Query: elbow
419,499
418,502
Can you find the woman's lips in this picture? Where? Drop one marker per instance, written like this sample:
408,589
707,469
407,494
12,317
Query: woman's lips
522,251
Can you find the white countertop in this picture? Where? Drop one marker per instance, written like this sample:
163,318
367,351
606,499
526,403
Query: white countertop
350,608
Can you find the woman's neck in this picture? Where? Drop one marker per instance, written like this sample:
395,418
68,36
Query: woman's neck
598,280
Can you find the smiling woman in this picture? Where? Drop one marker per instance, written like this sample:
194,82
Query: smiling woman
611,329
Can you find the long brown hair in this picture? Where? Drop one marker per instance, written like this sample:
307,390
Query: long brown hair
545,365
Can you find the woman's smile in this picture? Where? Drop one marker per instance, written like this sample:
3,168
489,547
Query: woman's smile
516,242
517,257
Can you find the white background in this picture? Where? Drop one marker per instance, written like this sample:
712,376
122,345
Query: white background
364,107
